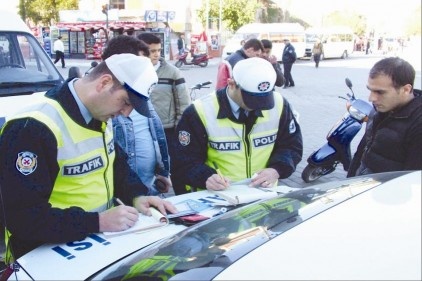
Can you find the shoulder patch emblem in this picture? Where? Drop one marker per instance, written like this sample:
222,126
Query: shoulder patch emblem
292,127
26,162
184,138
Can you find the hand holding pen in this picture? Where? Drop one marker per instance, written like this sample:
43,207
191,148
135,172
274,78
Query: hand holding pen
217,181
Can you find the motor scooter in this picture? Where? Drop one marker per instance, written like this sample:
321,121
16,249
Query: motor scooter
337,149
199,59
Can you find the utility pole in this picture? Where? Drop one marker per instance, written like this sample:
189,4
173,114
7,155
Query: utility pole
188,23
104,10
207,8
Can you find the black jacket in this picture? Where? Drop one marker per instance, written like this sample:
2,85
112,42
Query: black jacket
289,54
392,141
27,213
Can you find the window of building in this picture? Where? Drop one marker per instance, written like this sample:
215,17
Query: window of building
117,4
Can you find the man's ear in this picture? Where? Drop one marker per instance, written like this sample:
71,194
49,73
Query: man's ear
407,88
105,82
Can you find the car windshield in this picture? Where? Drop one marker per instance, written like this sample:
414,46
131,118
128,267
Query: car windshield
25,68
204,250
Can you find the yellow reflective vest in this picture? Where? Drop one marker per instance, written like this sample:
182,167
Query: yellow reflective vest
85,158
227,140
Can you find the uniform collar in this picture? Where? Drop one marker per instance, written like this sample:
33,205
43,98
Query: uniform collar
84,111
228,106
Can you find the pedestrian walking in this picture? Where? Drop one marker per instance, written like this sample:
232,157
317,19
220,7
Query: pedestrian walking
317,51
58,48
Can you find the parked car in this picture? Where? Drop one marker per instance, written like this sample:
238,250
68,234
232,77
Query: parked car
367,227
26,71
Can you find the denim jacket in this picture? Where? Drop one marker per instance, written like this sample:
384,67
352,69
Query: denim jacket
125,137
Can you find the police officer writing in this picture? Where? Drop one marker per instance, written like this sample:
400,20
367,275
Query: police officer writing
245,128
60,166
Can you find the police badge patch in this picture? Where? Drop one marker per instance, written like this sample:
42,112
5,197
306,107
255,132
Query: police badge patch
26,162
292,127
184,138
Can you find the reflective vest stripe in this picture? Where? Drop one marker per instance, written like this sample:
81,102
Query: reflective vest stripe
51,117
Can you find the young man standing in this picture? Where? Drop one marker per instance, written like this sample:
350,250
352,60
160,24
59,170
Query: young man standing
141,136
252,48
266,54
393,136
170,96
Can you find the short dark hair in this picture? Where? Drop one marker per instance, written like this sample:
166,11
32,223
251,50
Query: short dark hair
253,43
149,38
125,44
400,71
267,44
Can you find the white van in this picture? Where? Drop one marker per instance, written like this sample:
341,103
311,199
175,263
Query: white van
275,32
26,71
338,41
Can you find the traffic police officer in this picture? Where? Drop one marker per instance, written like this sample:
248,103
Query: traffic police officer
214,129
60,169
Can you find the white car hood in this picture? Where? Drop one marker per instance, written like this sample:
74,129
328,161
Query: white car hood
349,241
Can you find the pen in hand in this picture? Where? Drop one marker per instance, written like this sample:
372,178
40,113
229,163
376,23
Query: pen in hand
120,202
218,171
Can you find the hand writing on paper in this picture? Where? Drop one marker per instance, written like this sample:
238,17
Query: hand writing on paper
217,182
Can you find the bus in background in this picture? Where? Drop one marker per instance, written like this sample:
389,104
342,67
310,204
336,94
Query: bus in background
275,32
338,41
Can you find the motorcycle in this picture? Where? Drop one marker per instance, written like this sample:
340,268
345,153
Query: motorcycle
337,149
199,59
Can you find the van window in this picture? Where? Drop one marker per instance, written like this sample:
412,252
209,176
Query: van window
24,65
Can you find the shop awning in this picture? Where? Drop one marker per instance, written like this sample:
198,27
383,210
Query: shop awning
114,25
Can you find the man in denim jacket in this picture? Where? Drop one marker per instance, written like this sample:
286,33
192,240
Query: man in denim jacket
141,137
145,143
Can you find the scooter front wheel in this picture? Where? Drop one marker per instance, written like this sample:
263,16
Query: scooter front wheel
312,173
178,63
203,64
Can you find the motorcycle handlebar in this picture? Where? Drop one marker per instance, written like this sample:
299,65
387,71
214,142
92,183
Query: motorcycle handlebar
201,85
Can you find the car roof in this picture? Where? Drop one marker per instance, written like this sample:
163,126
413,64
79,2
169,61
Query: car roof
12,22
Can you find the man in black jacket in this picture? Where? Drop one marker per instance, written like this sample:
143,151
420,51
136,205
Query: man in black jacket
289,58
393,137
